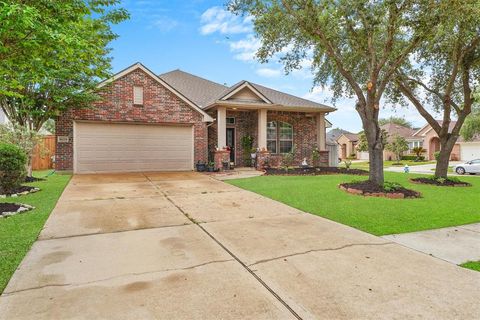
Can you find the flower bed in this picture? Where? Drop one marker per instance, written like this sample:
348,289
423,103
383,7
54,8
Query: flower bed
369,189
313,171
11,209
20,191
441,182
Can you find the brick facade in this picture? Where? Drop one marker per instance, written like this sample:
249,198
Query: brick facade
246,122
160,106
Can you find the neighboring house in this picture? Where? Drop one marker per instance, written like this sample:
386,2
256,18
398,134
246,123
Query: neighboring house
462,150
394,130
149,122
347,145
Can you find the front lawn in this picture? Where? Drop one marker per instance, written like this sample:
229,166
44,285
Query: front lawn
386,164
439,206
18,233
474,265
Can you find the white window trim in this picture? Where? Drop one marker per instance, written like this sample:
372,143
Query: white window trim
138,95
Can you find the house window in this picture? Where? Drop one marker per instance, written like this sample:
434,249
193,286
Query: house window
138,95
272,136
279,137
230,120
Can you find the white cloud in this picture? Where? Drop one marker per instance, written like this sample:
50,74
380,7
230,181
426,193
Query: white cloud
217,19
164,24
245,49
268,72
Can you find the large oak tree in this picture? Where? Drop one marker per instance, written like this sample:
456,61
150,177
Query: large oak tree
444,72
357,47
52,54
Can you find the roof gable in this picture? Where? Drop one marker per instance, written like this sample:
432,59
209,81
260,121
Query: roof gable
140,66
244,91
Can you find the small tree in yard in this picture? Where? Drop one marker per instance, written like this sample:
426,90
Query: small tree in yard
12,167
23,137
52,54
247,147
444,74
418,152
356,48
398,145
287,160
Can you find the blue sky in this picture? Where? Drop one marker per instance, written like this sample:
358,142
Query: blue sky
201,37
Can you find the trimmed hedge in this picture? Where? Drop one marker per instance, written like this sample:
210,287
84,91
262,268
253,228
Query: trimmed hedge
12,167
413,158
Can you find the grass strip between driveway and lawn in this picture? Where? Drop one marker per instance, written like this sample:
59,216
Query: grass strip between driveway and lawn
439,206
18,233
474,265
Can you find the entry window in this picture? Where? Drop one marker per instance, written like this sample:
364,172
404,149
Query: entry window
279,137
230,120
138,95
272,136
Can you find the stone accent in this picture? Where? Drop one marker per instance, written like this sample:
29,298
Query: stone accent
221,156
160,106
263,159
22,209
395,195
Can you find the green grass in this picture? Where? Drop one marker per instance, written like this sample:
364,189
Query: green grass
386,164
320,195
18,233
474,265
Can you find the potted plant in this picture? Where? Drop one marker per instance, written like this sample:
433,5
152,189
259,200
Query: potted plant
211,167
201,166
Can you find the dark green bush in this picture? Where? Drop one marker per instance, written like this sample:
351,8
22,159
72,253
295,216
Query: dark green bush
12,167
413,158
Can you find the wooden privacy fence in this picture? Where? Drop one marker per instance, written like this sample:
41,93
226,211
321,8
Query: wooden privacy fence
43,152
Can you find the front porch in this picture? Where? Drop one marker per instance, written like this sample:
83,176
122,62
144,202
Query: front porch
273,132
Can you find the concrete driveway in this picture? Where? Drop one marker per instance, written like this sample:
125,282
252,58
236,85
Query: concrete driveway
186,246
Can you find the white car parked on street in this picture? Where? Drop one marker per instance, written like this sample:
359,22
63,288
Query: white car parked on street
470,167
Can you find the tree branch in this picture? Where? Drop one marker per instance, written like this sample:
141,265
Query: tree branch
408,92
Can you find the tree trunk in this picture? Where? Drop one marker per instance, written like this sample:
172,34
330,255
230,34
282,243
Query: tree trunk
446,147
376,166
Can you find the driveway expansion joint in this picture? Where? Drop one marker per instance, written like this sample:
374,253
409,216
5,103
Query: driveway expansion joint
113,232
115,277
257,277
320,250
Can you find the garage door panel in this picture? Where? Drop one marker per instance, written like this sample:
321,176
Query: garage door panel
101,147
470,151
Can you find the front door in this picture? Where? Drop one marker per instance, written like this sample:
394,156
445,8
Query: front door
231,143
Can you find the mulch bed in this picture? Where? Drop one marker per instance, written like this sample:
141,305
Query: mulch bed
446,183
313,171
11,209
369,189
33,179
22,190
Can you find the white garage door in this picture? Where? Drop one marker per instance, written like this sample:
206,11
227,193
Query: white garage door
470,151
102,147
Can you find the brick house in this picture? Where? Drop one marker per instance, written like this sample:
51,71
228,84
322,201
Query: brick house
149,122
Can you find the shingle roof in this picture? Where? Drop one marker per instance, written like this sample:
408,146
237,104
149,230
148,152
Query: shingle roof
204,92
334,134
396,129
200,91
352,136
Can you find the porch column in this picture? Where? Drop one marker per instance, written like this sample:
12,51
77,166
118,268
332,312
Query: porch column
321,132
262,129
221,127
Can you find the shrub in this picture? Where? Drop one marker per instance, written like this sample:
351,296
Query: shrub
413,158
436,155
391,186
12,167
287,160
